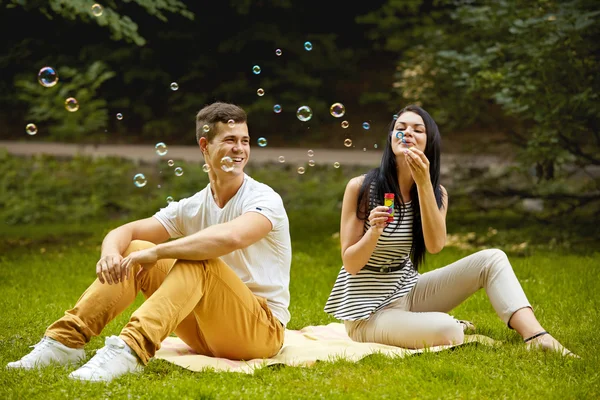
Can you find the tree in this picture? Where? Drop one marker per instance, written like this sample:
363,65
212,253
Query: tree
48,104
211,58
537,62
105,14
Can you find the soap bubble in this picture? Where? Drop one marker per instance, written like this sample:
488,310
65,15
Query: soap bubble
336,164
169,199
281,159
71,104
161,149
48,77
400,136
31,129
310,153
308,46
119,116
278,52
348,142
174,86
178,171
171,163
262,142
337,110
256,69
277,108
345,124
260,92
206,128
206,168
366,126
311,163
227,164
139,180
304,113
231,123
97,10
301,170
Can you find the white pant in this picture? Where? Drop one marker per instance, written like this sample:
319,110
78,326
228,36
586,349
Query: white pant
419,319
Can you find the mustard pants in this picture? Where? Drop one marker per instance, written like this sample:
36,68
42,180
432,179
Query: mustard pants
204,302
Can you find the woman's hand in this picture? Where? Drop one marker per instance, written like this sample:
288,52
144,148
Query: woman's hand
418,165
378,218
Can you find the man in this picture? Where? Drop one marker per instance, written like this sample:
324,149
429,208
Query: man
223,287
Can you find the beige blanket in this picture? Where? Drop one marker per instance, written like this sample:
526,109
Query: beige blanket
300,348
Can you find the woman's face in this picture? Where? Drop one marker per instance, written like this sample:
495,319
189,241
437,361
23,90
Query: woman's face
415,134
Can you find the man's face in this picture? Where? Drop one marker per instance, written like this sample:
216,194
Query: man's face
232,142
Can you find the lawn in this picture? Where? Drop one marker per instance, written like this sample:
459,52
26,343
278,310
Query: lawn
44,267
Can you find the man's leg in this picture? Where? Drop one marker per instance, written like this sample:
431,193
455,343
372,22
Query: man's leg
230,320
101,303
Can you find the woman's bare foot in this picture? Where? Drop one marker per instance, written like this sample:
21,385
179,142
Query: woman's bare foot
548,343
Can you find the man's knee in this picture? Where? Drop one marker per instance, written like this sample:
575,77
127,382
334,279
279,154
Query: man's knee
137,245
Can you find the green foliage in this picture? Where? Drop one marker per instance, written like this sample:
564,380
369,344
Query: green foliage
120,26
539,62
536,61
44,189
47,104
208,62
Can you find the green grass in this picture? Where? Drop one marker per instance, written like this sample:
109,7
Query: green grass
38,285
46,263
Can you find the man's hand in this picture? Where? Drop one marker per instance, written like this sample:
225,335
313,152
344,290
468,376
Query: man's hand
108,269
147,258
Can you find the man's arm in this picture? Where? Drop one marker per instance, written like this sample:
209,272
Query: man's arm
218,240
149,229
116,242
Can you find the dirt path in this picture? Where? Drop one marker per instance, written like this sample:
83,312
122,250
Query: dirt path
299,156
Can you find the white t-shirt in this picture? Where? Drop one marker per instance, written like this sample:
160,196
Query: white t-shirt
263,266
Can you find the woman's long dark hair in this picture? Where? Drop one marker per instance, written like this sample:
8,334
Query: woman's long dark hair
385,180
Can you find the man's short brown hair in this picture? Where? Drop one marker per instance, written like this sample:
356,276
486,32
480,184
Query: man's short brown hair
217,112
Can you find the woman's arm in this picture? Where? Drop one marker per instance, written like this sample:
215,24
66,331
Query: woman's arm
433,219
356,246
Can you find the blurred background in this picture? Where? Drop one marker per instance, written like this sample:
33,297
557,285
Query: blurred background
516,82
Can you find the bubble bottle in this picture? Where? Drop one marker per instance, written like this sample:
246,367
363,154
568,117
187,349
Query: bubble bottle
388,201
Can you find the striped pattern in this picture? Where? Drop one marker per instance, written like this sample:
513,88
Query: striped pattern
355,297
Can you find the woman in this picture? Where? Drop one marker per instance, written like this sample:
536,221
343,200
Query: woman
379,293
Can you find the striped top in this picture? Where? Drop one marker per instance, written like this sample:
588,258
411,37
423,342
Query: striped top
356,297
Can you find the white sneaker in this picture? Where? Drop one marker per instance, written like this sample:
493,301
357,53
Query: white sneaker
113,360
46,352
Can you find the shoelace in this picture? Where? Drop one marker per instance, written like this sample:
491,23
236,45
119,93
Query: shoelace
37,348
102,356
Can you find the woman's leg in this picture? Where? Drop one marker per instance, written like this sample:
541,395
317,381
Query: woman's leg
445,288
396,326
